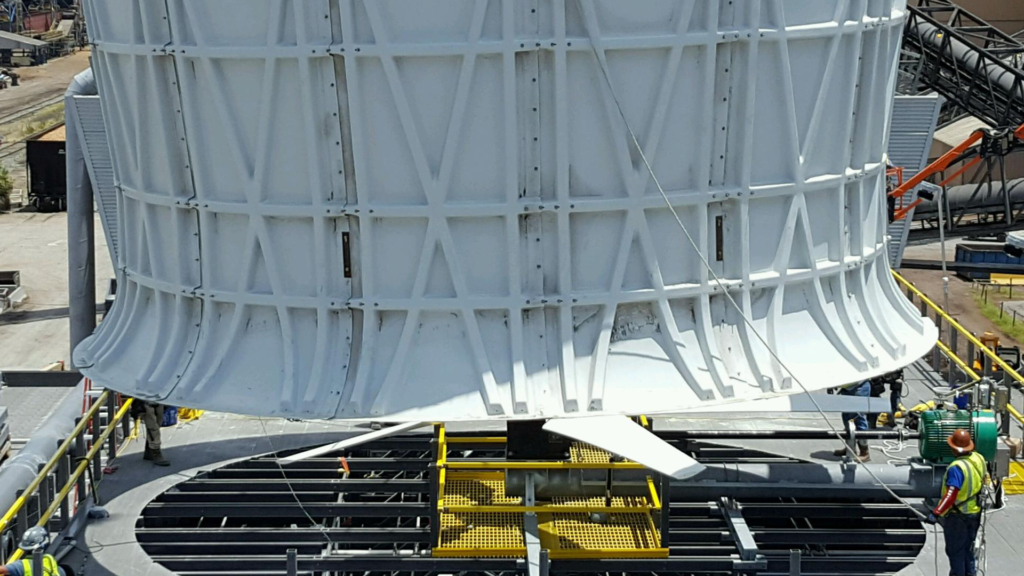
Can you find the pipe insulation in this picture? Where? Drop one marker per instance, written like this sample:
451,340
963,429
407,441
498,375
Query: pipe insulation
988,200
19,471
81,225
912,479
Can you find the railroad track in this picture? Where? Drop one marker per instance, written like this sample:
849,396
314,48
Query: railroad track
9,149
29,110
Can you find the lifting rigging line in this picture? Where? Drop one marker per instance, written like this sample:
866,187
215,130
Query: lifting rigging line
602,63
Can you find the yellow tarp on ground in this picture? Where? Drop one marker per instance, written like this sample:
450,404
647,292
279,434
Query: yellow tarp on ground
1007,279
1014,483
188,414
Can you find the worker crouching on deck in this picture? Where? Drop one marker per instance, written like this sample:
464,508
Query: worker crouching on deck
960,506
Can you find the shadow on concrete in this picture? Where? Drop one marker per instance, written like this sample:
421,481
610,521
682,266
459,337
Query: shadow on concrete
29,316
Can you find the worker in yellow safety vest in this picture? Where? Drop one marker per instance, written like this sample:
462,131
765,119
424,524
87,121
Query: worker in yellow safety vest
960,506
34,539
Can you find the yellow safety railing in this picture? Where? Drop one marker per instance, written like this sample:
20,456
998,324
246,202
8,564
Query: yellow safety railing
996,360
956,359
97,445
1013,412
62,450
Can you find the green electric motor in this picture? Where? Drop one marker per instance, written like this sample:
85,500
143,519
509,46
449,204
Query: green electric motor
936,426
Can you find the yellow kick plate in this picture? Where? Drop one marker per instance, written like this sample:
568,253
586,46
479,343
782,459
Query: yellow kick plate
1014,483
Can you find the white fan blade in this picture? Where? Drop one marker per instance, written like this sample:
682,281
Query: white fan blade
350,442
623,437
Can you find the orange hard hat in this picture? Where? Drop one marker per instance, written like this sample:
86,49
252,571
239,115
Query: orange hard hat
960,441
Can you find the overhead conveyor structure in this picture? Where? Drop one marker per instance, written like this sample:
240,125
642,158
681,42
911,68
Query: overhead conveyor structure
973,64
978,69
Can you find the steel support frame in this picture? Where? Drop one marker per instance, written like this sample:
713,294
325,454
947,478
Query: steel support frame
40,378
189,530
738,529
967,88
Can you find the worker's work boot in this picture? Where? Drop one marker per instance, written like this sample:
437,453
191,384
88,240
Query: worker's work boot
155,456
863,456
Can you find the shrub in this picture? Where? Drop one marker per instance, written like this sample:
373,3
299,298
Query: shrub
6,187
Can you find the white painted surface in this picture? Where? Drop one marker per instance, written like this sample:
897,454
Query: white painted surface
352,442
510,256
821,402
623,437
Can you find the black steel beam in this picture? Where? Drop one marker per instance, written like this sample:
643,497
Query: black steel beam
339,485
374,563
251,498
285,510
811,537
239,548
920,264
40,378
355,463
353,535
824,510
836,564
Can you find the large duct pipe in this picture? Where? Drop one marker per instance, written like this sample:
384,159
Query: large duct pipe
744,479
913,480
18,472
987,201
81,228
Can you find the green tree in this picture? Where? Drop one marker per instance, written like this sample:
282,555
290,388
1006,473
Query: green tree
6,187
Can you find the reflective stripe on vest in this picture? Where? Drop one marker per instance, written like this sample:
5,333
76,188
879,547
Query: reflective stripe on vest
49,566
973,468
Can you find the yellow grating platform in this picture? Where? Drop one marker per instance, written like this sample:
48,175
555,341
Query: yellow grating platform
620,536
477,489
565,535
1014,483
617,501
580,452
480,534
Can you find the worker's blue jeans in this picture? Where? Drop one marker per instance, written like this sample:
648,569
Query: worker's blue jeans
960,531
860,421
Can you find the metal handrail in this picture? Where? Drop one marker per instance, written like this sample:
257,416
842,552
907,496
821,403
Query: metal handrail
956,359
967,334
52,463
70,453
97,445
1013,412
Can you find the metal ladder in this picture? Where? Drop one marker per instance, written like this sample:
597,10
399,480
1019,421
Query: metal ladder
913,126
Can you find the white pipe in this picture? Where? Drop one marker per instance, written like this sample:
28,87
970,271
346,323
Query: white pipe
19,471
81,227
